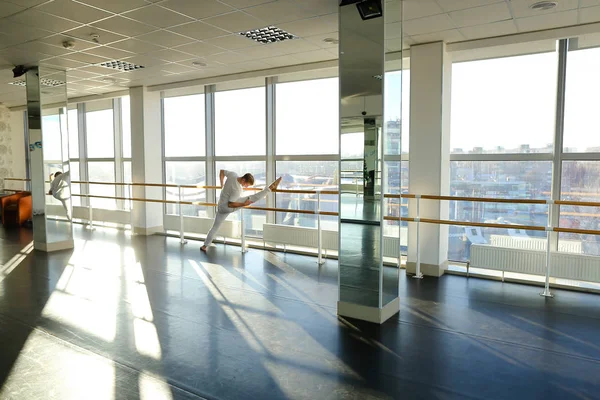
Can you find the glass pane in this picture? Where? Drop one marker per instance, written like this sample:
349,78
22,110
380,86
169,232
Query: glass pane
397,176
395,81
51,168
75,187
582,120
254,220
240,122
307,175
73,134
504,105
184,126
307,117
52,138
102,172
126,126
100,134
580,182
127,179
186,173
497,179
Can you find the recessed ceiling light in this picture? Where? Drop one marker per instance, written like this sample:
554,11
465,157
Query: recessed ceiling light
109,80
543,5
380,77
269,34
121,65
43,82
198,64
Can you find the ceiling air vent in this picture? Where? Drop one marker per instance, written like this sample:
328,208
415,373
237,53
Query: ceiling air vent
43,82
121,65
543,5
269,34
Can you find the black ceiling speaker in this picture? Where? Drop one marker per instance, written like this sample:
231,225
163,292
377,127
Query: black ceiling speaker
370,9
18,71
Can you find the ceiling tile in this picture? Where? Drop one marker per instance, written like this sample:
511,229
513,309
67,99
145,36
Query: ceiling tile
313,56
260,52
282,61
419,9
521,8
320,7
588,15
250,66
448,36
292,46
176,68
236,22
109,52
136,46
17,57
44,21
280,11
313,26
98,69
489,30
199,49
481,15
232,42
171,55
86,32
158,16
425,25
64,62
7,9
244,3
87,58
146,61
197,9
547,21
57,40
230,57
78,74
21,32
165,38
589,3
318,40
45,48
199,30
26,3
73,11
453,5
8,40
115,6
124,26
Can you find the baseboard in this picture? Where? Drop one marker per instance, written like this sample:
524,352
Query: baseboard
427,269
369,314
148,231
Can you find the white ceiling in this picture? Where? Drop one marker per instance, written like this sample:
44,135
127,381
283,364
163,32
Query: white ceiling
166,36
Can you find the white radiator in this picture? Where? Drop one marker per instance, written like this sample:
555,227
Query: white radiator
563,265
307,237
531,243
202,225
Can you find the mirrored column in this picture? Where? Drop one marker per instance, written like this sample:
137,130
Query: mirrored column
367,289
49,158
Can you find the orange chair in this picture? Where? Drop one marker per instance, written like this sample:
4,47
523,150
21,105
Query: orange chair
16,208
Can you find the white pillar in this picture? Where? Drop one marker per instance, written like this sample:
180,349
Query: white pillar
430,84
146,159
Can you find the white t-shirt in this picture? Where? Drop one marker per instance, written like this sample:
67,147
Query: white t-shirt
232,190
60,186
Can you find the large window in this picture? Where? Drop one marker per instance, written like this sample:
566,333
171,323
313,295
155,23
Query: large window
100,134
240,122
126,127
582,120
307,117
504,105
102,171
189,173
184,126
496,179
73,124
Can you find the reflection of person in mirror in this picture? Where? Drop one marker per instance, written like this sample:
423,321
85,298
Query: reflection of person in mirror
60,189
231,199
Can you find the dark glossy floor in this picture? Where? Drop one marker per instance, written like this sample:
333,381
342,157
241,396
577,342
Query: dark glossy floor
143,318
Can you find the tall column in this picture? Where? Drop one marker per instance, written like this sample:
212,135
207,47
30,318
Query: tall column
48,234
146,159
429,165
365,291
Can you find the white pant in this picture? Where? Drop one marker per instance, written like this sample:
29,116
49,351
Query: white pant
224,211
64,203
